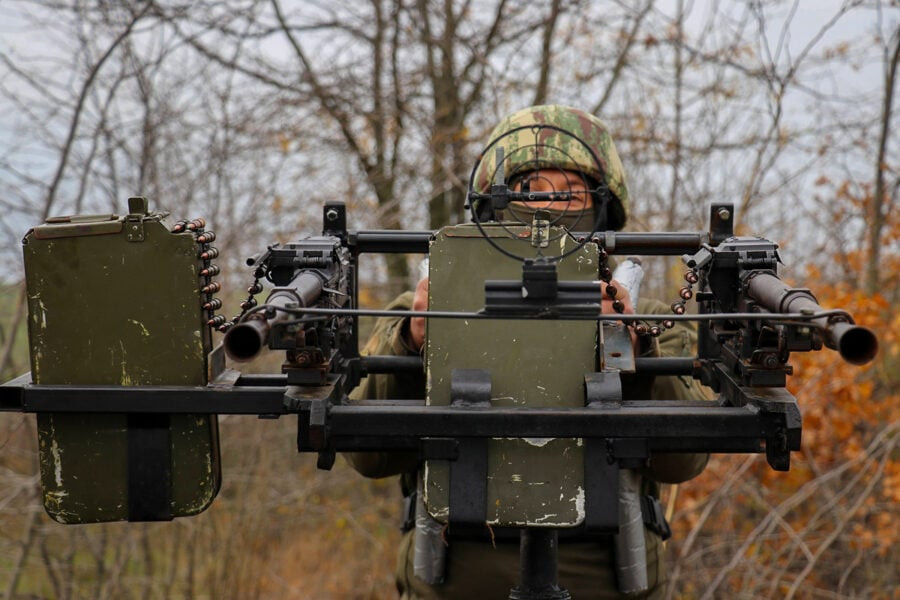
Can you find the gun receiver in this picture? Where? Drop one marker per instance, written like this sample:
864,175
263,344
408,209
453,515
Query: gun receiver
314,272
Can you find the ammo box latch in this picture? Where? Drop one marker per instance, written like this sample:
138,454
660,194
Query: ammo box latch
134,222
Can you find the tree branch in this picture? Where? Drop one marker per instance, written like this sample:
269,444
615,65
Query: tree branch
876,214
540,92
622,59
79,107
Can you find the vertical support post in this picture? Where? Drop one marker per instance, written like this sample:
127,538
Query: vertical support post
538,563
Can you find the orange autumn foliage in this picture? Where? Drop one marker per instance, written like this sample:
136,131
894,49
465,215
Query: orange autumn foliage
829,524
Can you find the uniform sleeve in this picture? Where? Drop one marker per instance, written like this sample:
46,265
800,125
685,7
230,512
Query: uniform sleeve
681,340
388,338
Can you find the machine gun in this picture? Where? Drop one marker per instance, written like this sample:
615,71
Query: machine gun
749,322
312,273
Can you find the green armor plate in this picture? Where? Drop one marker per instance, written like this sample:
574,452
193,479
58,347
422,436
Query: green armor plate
115,300
530,482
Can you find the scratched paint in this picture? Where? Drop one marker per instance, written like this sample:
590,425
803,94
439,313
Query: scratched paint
538,442
155,339
56,453
579,503
126,375
143,329
545,520
39,316
534,481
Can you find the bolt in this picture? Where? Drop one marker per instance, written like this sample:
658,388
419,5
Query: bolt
770,361
331,214
724,214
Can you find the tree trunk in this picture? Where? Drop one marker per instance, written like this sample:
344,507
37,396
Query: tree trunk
875,213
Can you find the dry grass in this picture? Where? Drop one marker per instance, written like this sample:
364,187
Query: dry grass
280,528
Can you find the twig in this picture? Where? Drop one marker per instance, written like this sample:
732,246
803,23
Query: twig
717,496
845,518
24,548
801,495
79,107
18,315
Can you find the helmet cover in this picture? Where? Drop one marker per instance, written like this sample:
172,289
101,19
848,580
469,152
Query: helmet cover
557,137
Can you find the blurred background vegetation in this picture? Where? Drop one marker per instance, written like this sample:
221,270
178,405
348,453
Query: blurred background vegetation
251,113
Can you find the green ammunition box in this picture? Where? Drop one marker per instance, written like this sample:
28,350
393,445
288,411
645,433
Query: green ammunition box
532,363
116,300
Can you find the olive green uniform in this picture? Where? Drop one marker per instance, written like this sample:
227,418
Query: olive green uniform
481,569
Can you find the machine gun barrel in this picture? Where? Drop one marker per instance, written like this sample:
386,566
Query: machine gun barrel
857,345
247,339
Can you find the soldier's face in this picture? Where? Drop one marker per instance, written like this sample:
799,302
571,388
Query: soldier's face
556,180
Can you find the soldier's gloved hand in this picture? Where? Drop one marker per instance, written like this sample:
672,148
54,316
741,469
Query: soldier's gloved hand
417,324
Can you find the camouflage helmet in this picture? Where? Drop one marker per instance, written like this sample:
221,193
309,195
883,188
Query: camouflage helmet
557,146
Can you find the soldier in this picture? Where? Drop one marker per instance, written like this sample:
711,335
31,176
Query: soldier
488,566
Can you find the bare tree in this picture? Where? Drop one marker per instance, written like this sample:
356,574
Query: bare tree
884,195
